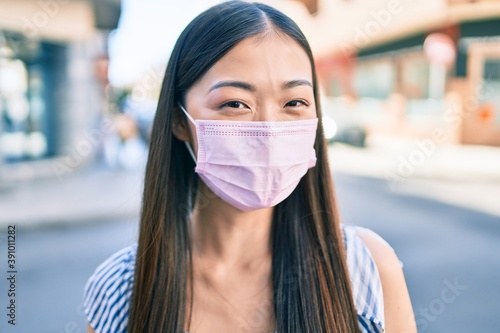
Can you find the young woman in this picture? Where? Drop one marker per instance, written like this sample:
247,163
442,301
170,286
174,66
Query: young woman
239,226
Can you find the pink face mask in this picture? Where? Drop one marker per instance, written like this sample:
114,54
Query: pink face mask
253,164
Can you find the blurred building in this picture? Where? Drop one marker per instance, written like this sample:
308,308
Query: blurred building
53,70
424,69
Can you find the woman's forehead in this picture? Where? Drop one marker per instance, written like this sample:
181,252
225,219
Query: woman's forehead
272,59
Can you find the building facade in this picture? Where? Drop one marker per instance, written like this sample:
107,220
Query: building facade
51,84
408,68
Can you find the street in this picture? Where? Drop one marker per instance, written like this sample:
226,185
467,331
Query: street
450,255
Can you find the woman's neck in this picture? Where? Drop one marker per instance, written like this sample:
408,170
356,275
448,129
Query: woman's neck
228,237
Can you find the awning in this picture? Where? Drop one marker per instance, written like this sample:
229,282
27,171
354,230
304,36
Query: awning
58,20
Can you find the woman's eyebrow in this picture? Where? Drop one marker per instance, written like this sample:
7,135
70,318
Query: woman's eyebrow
295,83
236,84
252,88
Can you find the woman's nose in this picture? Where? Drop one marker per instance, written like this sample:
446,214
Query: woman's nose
268,113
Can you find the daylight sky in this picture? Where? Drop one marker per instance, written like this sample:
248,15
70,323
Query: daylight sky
146,35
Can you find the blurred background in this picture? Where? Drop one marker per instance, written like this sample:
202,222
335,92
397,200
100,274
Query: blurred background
411,109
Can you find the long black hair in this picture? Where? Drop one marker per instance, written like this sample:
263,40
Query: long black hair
311,287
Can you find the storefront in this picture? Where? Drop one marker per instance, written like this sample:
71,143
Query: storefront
406,68
408,88
50,92
28,72
482,90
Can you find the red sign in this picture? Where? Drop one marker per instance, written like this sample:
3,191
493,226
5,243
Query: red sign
440,48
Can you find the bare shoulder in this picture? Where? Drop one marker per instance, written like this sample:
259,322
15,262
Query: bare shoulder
397,305
90,329
386,259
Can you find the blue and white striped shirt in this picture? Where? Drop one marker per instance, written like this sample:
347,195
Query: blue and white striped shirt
108,291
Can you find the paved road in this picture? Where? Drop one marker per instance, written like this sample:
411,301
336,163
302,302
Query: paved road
53,268
451,255
451,259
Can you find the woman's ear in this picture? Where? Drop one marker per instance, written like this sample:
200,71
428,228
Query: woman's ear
180,127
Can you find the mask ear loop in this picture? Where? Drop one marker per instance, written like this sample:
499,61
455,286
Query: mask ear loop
188,146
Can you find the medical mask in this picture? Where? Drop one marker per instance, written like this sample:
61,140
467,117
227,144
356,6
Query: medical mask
253,164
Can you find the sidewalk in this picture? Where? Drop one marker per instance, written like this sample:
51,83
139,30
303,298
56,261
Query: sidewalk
468,176
398,160
465,176
93,194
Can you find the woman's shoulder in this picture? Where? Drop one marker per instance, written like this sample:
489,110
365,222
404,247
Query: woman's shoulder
108,290
364,248
369,239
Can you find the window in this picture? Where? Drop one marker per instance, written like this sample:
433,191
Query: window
374,79
22,104
415,77
489,97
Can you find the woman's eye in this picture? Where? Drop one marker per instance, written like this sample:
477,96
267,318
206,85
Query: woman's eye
296,102
234,105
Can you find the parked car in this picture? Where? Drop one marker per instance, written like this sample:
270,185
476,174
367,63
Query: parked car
350,134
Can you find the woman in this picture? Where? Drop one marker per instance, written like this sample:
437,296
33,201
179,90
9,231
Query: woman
239,227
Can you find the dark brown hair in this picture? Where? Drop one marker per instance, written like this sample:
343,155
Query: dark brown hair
311,286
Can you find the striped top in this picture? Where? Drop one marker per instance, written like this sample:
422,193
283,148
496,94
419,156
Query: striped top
108,290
